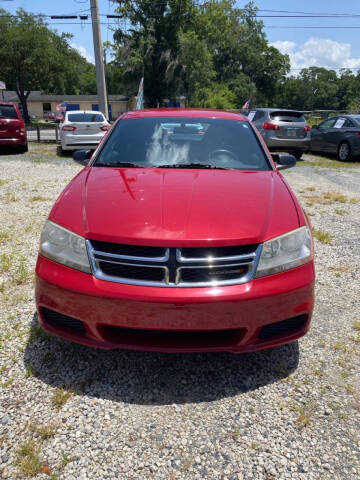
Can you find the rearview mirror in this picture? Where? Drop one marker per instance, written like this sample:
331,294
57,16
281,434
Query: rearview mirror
284,160
82,156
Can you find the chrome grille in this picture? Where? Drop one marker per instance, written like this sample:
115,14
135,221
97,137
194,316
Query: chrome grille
173,267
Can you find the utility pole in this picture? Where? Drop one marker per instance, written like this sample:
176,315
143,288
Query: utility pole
99,59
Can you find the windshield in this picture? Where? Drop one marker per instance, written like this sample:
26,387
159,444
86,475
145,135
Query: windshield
183,142
85,117
7,111
290,116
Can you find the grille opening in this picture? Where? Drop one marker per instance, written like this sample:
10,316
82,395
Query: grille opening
57,320
201,252
171,339
195,275
130,250
133,272
284,327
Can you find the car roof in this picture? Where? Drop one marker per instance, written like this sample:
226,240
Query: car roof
11,104
83,111
267,109
185,112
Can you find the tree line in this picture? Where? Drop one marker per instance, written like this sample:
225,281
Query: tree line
213,54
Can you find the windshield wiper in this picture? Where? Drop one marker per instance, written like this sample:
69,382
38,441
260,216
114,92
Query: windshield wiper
192,165
118,164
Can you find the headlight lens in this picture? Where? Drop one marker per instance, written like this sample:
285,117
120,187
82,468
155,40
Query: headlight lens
63,246
285,252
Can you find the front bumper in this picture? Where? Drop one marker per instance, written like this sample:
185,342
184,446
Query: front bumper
173,319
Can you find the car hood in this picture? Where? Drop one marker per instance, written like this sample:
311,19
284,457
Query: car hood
172,207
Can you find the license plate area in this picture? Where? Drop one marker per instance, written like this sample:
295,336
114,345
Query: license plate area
291,132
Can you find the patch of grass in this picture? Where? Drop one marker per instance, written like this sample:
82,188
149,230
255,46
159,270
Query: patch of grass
304,418
6,261
354,200
43,431
341,211
37,333
342,269
7,383
65,459
323,237
60,397
326,163
3,182
4,236
39,198
254,446
30,371
22,274
327,198
18,298
356,325
28,228
234,434
3,369
27,459
10,197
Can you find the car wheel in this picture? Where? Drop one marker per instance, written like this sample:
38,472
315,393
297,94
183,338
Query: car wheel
344,152
23,148
297,155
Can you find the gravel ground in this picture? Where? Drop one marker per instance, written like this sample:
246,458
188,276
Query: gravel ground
70,412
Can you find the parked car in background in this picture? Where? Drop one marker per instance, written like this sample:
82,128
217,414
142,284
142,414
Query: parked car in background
282,130
83,129
178,241
12,127
338,135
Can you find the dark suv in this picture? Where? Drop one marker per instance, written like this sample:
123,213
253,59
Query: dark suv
282,130
12,127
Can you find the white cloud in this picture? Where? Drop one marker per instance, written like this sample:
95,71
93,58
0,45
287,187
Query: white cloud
319,52
83,52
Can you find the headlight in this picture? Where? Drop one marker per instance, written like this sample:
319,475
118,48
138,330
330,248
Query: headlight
285,252
63,246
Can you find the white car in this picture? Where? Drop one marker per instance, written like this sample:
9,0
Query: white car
82,129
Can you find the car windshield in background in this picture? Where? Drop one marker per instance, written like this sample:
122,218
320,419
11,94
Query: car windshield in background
85,117
356,118
284,116
183,142
7,111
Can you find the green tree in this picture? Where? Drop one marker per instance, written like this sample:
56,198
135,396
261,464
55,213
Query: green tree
33,57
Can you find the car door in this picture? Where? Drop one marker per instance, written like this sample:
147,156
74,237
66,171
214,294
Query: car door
319,136
337,133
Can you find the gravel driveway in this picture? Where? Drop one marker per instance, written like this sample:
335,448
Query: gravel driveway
70,412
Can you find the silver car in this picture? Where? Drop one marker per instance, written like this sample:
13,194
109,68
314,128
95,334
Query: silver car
83,129
282,130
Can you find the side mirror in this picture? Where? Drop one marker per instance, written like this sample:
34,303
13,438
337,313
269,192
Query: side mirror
82,156
284,160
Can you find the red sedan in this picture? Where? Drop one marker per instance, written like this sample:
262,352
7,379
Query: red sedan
12,127
181,239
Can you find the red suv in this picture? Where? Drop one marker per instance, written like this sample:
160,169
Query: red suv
12,127
180,240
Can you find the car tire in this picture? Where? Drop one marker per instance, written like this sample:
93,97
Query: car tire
297,155
23,148
344,152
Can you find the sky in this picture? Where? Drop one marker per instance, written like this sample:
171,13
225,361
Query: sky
308,41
